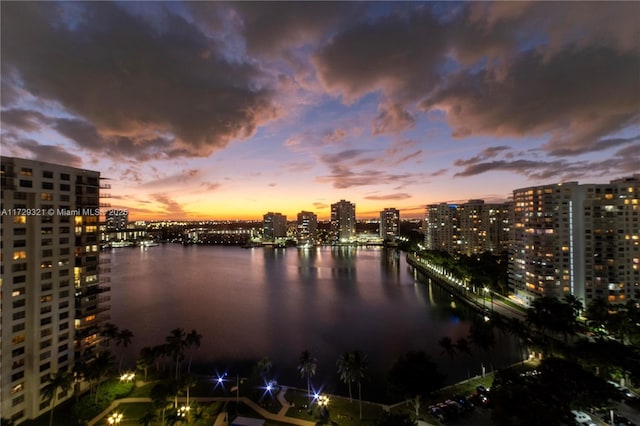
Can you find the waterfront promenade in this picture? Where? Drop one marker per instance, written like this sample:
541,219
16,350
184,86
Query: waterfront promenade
484,301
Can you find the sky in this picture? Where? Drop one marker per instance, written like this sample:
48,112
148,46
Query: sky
224,110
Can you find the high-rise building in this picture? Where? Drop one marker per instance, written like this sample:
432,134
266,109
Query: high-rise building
307,228
389,224
441,227
470,228
576,239
343,221
52,303
274,226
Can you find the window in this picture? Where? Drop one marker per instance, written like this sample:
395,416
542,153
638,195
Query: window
20,254
19,195
25,171
45,366
47,174
47,185
65,187
64,176
17,400
17,267
19,231
19,243
26,183
18,316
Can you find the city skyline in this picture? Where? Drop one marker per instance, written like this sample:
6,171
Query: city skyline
231,110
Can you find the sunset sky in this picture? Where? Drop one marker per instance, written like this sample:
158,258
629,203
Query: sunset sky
229,110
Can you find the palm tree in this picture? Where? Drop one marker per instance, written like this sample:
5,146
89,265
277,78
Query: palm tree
359,363
110,331
145,360
307,364
448,348
462,345
160,394
62,380
264,368
176,343
188,381
193,340
98,369
345,370
123,338
148,418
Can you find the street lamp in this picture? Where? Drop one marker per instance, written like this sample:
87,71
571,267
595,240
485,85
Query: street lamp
183,411
114,418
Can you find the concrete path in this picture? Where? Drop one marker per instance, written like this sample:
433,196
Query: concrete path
255,407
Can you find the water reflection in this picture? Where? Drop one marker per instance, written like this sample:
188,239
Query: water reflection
251,303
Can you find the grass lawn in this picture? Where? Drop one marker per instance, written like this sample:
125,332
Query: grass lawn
341,410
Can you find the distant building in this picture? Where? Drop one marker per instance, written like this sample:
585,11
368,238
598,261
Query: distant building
274,226
389,224
470,228
343,221
52,302
307,228
441,227
577,239
116,220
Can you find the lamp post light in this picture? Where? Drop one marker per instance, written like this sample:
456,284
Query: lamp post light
114,418
127,377
183,411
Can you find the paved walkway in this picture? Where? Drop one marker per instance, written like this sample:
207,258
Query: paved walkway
280,417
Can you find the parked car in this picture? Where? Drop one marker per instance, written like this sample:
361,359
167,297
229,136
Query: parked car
581,417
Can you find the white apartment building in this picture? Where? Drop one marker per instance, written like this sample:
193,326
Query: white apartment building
576,239
343,221
52,300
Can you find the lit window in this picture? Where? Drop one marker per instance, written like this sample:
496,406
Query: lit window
21,254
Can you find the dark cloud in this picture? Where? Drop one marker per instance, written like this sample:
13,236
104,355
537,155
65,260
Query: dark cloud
400,196
139,148
346,155
486,153
563,70
270,27
395,54
576,97
133,77
392,119
49,153
413,155
23,119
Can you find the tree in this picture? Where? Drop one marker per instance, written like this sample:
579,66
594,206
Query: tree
263,368
193,341
160,394
176,344
481,335
359,364
145,360
307,364
448,348
415,375
110,332
123,338
148,418
98,370
345,370
62,380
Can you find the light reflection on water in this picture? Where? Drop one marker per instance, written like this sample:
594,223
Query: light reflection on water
251,303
